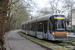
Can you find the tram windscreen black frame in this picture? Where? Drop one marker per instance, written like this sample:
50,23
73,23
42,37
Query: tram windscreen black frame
58,25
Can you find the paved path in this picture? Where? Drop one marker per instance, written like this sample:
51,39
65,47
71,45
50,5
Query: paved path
16,42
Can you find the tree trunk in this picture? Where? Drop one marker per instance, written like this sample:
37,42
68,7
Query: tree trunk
3,14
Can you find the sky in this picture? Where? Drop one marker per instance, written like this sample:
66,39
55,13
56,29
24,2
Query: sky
42,4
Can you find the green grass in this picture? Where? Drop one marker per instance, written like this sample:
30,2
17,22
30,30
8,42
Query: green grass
63,44
73,42
44,42
67,41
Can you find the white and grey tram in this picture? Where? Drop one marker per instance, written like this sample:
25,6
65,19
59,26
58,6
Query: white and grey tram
50,27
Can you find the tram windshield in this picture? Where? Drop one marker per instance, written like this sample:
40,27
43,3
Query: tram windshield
59,26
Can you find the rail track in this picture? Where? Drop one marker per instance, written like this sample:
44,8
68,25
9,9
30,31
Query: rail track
70,43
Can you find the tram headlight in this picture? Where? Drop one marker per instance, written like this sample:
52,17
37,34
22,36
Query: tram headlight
53,33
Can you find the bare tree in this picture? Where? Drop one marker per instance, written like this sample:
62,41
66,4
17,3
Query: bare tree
3,13
17,12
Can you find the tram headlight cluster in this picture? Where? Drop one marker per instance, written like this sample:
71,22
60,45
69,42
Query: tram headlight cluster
53,33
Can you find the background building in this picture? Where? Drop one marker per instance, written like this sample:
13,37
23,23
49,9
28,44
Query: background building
71,15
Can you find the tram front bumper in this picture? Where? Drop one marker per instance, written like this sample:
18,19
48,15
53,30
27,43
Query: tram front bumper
60,37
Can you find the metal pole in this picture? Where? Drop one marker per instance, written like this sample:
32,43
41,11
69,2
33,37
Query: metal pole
71,16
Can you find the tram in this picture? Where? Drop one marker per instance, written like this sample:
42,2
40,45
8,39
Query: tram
50,27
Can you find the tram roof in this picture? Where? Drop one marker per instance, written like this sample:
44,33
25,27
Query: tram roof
24,22
42,17
45,16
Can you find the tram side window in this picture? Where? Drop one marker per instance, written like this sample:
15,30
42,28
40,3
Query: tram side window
26,26
40,26
45,26
33,26
29,26
22,27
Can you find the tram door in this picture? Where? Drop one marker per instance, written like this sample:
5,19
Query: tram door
33,29
45,29
40,29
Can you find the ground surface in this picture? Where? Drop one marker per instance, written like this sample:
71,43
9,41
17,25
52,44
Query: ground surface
16,42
